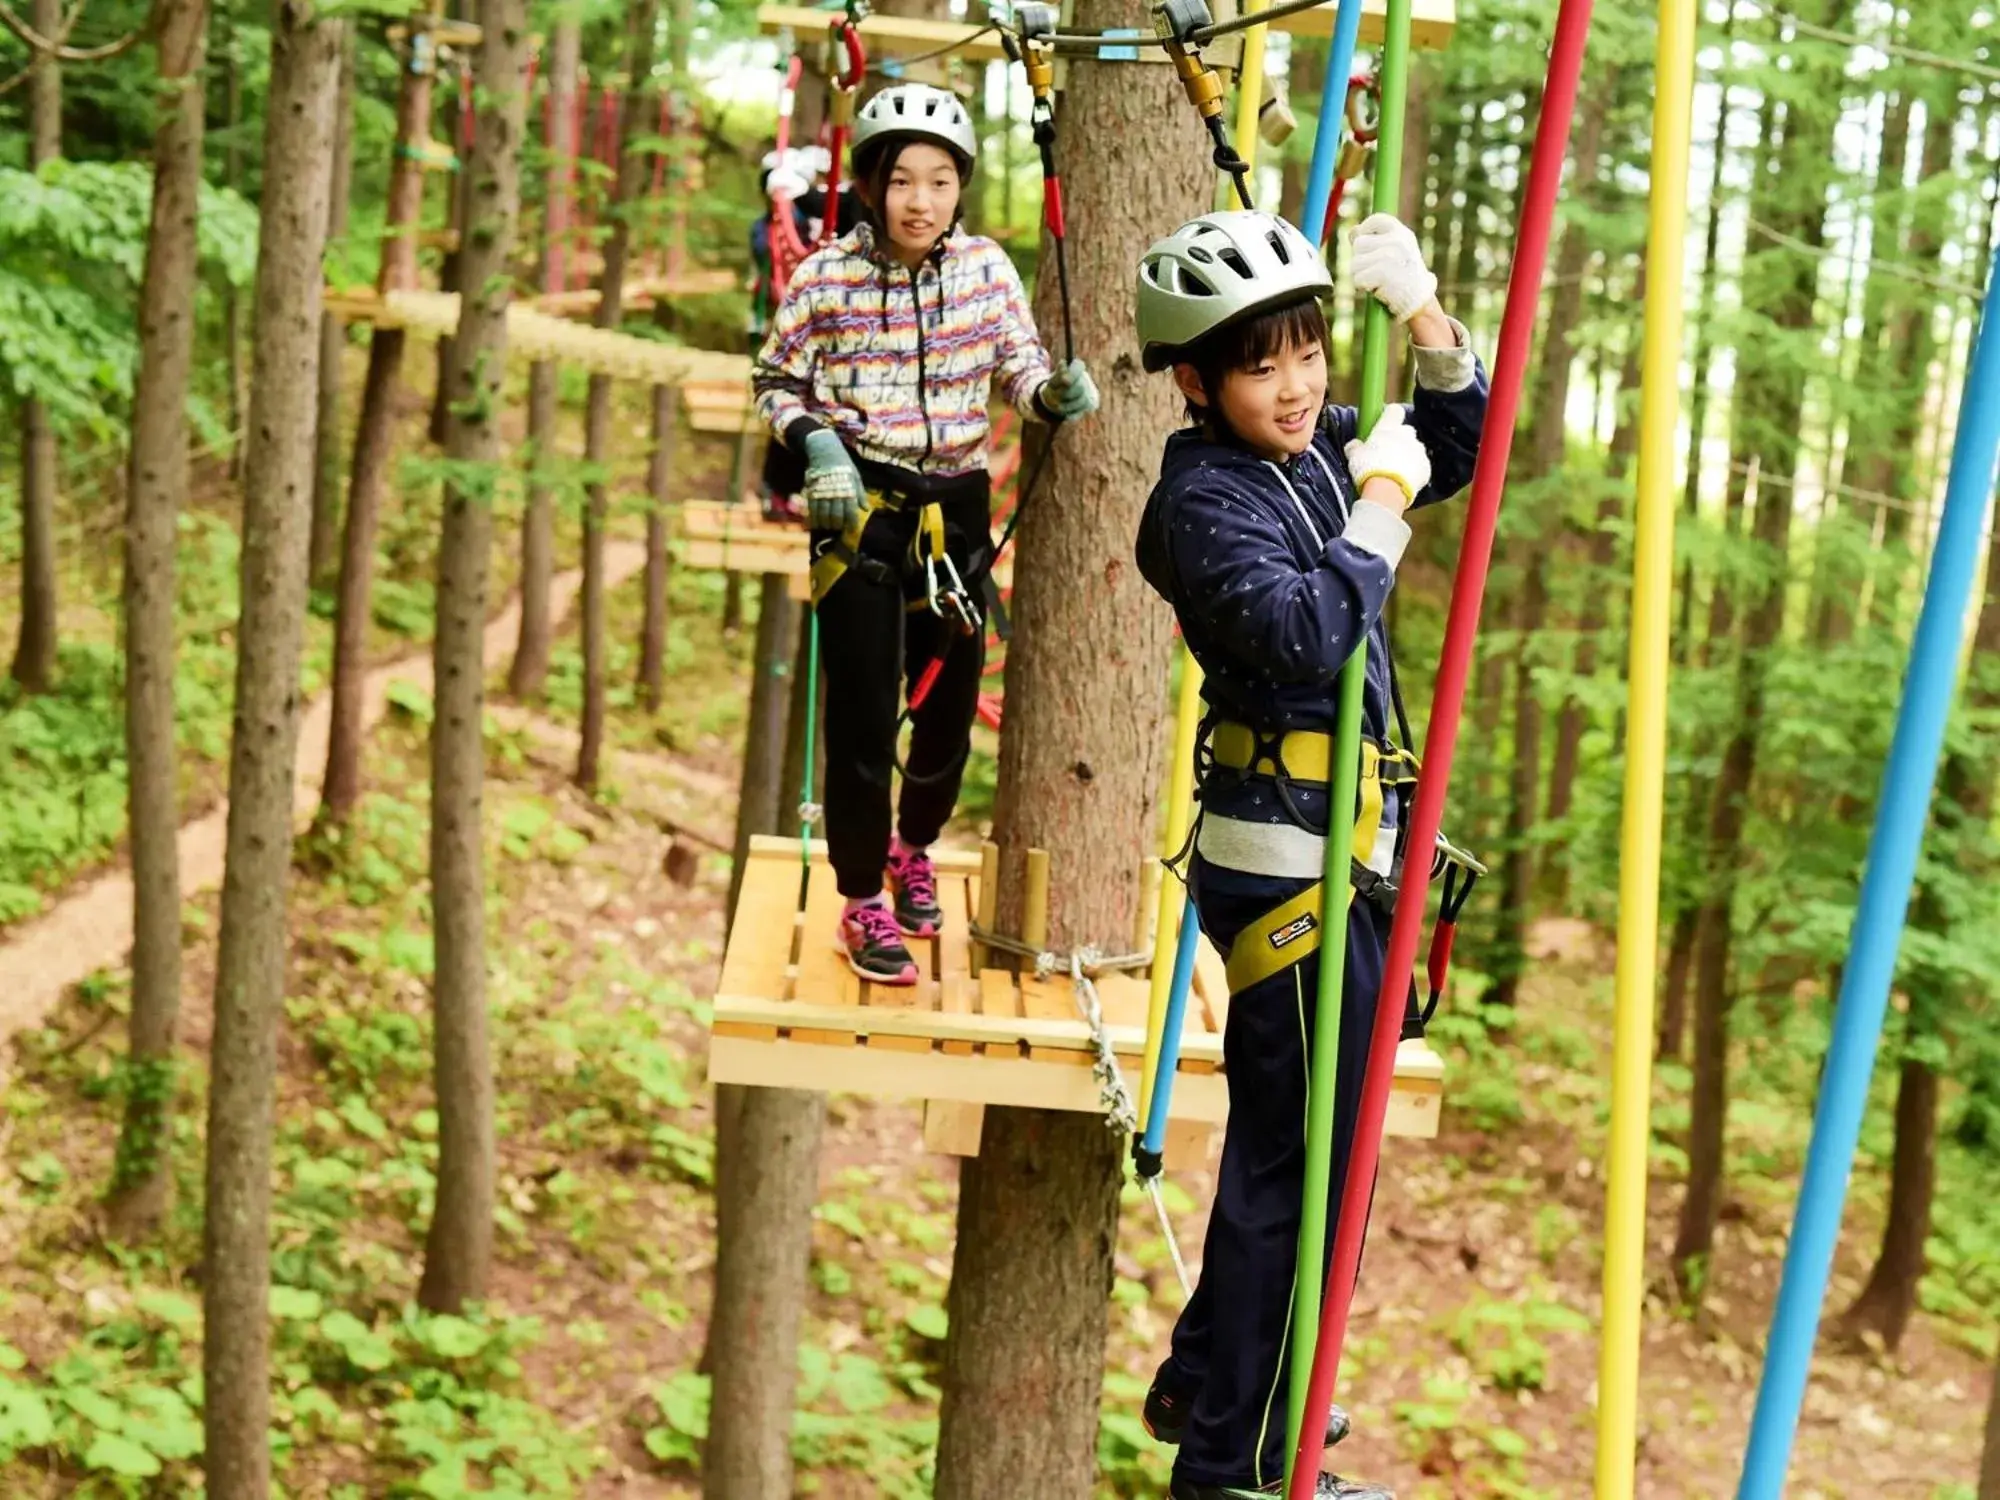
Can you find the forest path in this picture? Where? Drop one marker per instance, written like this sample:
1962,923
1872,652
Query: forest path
92,926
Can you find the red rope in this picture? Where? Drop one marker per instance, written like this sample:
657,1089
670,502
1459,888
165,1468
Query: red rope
1489,480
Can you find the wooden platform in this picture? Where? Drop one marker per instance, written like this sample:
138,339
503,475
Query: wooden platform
791,1014
534,335
737,539
718,406
643,291
1431,25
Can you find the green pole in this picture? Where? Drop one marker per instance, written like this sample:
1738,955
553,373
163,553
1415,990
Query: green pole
1309,1285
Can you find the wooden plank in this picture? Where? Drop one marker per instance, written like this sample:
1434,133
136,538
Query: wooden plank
887,36
953,1127
1189,1145
958,995
825,984
1050,1000
943,856
1211,987
989,1079
1432,22
764,934
1000,1005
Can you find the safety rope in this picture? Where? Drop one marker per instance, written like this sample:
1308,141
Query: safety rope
1121,1114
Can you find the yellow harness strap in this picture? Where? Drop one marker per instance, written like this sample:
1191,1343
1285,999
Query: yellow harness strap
1289,933
927,545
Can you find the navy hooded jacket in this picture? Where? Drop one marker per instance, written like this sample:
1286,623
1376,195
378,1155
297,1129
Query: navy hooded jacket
1271,600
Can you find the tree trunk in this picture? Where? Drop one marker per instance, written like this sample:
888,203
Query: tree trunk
767,1176
1599,553
1703,340
531,650
1965,808
1989,1457
374,447
1080,768
638,123
761,782
250,963
332,341
458,1252
155,491
1770,397
1303,75
232,178
659,495
766,1144
35,651
451,272
1547,437
1673,989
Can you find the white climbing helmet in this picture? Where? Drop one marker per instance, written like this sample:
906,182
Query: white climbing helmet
1217,269
914,112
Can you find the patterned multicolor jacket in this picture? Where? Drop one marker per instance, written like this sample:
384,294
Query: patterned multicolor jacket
899,362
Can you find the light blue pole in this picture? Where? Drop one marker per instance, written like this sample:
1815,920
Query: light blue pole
1907,781
1332,104
1153,1144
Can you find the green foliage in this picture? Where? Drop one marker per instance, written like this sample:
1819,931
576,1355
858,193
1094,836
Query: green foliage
72,250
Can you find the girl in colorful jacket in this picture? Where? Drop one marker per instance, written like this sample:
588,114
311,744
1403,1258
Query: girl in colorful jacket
876,373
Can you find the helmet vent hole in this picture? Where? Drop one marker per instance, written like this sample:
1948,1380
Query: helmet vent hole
1233,258
1195,252
1278,249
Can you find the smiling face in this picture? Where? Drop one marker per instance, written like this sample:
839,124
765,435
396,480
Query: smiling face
919,200
1271,402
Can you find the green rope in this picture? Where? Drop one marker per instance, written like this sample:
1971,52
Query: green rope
1311,1276
808,813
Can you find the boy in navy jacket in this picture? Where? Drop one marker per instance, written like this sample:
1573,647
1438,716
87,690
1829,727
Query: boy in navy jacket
1275,532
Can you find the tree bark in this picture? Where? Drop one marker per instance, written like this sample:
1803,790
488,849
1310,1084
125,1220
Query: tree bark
1704,339
250,963
659,495
332,341
597,414
34,666
155,492
1080,768
232,178
458,212
1599,553
374,447
761,784
458,1252
1989,1457
767,1176
1547,437
1965,809
1770,397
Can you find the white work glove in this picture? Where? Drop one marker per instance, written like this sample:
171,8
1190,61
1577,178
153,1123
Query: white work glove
1392,451
833,488
1070,393
1389,264
786,183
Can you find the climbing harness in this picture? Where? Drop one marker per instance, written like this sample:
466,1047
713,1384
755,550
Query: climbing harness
1082,967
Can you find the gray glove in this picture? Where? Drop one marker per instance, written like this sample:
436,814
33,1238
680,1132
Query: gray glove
833,484
1070,393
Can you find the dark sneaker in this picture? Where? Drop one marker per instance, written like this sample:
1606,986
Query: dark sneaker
913,880
1166,1417
1330,1487
874,946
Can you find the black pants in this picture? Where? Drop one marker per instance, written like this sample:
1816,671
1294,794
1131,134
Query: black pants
870,641
1232,1346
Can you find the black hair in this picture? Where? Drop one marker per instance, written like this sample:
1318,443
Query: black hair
1247,343
873,171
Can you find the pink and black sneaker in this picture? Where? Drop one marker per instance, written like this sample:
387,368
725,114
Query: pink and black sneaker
913,881
874,945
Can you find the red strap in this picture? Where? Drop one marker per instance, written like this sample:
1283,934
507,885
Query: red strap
926,682
1438,968
1052,205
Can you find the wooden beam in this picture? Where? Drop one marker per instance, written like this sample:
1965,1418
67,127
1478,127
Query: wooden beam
1431,25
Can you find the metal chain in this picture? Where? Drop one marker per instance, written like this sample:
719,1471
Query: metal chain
1120,1112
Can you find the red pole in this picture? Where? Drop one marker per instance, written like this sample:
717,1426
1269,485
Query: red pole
1489,480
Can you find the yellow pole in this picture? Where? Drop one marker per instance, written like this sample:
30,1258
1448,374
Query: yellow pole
1187,711
1645,759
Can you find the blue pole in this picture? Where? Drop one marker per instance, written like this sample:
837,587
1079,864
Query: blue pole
1900,817
1153,1144
1332,105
